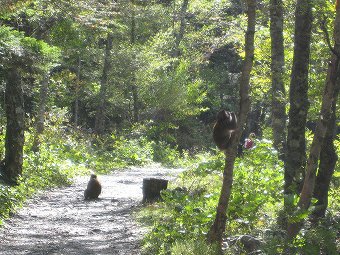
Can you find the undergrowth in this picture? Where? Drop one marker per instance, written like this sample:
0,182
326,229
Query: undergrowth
189,206
65,152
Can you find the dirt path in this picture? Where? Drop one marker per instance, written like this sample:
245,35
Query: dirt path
61,222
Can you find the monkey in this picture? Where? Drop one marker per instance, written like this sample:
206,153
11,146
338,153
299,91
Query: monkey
224,126
93,189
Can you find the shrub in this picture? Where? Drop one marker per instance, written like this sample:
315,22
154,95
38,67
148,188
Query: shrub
193,247
188,209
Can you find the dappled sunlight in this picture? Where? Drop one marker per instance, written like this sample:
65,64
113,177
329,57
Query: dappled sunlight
60,221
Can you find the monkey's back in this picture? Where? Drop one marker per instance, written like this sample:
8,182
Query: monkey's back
93,190
224,126
221,135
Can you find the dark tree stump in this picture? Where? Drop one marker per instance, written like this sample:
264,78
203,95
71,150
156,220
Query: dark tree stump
152,189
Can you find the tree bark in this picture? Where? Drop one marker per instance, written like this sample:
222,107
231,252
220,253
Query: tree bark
76,100
14,142
100,113
42,104
217,230
328,159
134,89
135,102
40,119
152,188
329,98
277,68
296,144
179,35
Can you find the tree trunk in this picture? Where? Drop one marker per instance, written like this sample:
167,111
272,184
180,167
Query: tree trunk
179,35
329,98
76,100
328,159
40,119
134,88
216,231
14,142
255,120
100,113
135,102
296,144
277,67
152,188
215,234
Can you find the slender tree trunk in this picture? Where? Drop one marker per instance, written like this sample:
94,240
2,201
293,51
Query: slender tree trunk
328,159
42,104
328,99
216,231
135,103
179,35
40,119
76,101
14,142
296,144
134,88
277,67
100,113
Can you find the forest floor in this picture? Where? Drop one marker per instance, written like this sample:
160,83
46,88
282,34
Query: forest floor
60,221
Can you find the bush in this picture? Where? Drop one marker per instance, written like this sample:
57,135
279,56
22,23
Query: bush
166,155
65,152
188,209
193,247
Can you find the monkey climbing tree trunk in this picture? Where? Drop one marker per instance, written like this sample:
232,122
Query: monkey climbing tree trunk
100,113
329,97
14,143
295,159
277,68
216,231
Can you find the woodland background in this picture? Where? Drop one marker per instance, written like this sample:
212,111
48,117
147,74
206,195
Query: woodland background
103,85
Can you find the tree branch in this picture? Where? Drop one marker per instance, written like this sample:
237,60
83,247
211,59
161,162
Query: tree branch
325,31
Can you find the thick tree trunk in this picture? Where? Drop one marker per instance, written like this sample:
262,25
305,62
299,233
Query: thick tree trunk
216,231
277,67
328,99
152,188
14,142
296,144
100,113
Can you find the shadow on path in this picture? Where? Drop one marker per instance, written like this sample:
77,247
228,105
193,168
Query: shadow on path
60,221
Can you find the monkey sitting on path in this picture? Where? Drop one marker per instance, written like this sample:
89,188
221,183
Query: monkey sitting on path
93,189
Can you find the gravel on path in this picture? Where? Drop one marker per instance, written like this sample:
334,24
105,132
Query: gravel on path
60,221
